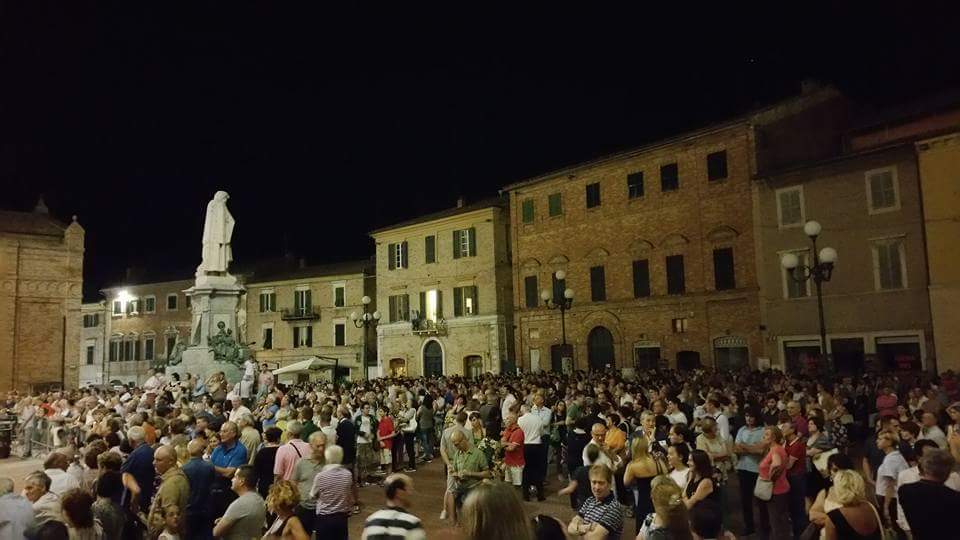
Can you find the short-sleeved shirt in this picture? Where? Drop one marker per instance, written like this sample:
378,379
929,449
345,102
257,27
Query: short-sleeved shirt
798,450
607,513
304,472
473,460
333,490
749,436
247,514
139,464
287,456
780,485
225,457
446,440
889,471
514,458
385,429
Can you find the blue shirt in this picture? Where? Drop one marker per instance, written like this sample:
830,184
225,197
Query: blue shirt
200,476
139,464
226,458
750,436
272,421
545,415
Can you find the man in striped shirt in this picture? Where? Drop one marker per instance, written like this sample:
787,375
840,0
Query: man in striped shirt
334,491
394,522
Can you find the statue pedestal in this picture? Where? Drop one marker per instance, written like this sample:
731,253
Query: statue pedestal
213,301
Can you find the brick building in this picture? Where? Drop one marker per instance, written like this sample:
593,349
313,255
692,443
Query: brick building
297,313
658,244
144,321
41,282
444,289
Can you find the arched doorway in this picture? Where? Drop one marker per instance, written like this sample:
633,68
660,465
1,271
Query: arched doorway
687,360
600,348
398,367
473,366
432,359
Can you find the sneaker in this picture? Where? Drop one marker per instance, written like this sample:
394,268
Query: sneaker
443,514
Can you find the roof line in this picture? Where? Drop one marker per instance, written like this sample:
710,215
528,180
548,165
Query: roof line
835,159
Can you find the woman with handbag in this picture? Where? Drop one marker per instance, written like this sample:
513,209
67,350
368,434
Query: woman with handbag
771,503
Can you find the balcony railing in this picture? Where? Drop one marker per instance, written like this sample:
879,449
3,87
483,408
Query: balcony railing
429,327
301,313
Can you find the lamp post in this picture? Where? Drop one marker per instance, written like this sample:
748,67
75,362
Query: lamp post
820,271
552,301
364,320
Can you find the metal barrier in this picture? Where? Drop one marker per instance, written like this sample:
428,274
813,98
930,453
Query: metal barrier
34,441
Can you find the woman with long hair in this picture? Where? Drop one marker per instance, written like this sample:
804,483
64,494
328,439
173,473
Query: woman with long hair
669,520
641,470
700,480
559,442
493,511
282,500
76,508
677,457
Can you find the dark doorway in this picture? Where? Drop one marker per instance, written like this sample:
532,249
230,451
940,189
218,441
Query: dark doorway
847,355
600,348
899,356
432,360
646,357
800,357
687,360
472,366
557,353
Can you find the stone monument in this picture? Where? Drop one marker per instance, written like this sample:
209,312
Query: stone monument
215,341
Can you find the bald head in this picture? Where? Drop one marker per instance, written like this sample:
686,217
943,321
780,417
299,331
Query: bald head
196,447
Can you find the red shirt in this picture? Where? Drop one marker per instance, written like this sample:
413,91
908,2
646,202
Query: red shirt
887,405
802,425
780,485
513,458
797,449
385,429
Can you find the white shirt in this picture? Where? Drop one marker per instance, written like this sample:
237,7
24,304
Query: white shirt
723,424
237,414
680,477
60,481
531,425
678,417
934,434
911,475
508,402
331,433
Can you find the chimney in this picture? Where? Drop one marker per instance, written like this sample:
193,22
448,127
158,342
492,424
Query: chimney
460,201
41,208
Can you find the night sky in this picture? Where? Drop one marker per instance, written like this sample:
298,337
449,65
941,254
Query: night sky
323,126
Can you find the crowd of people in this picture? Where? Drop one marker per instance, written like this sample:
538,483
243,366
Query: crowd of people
699,454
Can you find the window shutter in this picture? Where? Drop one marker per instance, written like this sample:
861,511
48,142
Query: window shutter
405,308
530,291
261,303
136,350
641,279
439,304
308,301
310,336
723,269
473,241
423,304
458,301
675,275
403,254
456,244
296,337
430,249
391,256
598,292
876,191
392,300
476,297
338,335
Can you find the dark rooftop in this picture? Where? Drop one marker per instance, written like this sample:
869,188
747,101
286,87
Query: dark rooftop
36,222
331,269
499,201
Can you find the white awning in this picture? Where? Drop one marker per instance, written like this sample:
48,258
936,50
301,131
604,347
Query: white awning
311,364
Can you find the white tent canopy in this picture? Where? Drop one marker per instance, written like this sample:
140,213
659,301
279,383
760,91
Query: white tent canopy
312,364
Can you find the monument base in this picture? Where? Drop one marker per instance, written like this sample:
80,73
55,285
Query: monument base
199,362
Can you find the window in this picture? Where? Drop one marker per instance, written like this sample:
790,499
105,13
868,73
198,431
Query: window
188,301
559,287
128,350
790,207
598,284
889,264
641,278
465,243
397,255
133,306
431,305
526,210
268,300
267,332
555,204
91,321
680,325
530,293
430,249
883,193
148,346
675,277
593,195
117,308
717,165
150,304
339,294
171,302
171,343
669,177
635,185
723,271
339,333
464,301
91,354
791,287
399,307
114,350
302,336
302,301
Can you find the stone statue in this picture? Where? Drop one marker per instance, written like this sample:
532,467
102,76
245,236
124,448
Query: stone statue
217,233
224,345
174,355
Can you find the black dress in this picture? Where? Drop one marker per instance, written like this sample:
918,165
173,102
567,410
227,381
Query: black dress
846,532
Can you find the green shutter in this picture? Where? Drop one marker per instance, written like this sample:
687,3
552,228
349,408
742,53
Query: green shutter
261,303
392,300
423,304
458,301
310,336
405,308
476,299
308,301
403,255
439,304
473,241
456,244
391,256
531,294
296,336
430,249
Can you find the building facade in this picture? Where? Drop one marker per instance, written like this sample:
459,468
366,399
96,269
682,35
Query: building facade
41,288
144,323
868,203
444,288
92,344
296,314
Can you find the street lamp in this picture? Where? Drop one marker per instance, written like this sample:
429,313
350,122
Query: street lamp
820,271
364,320
563,304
